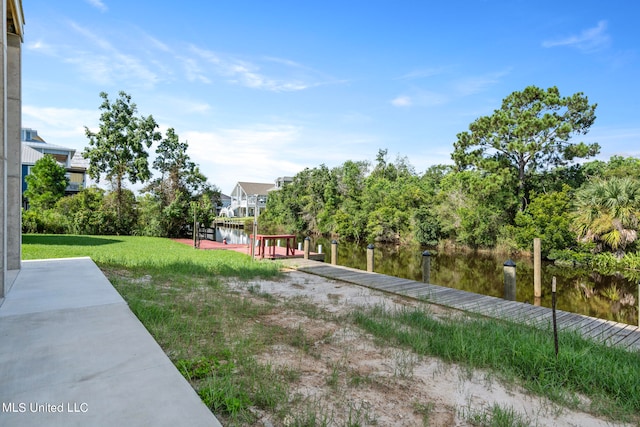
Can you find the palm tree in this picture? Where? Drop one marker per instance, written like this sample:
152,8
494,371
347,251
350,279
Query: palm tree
607,212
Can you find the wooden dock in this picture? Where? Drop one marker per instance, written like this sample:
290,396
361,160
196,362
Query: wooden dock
603,331
275,253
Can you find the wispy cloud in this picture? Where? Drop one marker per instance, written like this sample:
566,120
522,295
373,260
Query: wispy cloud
448,90
108,64
477,84
252,74
402,101
61,126
98,4
590,40
422,73
257,145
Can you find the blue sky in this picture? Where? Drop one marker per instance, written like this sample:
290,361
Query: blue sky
261,89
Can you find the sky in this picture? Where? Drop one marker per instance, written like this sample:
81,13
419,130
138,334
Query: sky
263,89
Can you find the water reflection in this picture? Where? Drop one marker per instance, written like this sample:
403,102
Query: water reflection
611,297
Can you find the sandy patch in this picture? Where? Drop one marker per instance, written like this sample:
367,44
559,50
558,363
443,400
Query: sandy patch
346,375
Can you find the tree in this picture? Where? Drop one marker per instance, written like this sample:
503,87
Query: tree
530,132
547,216
46,183
607,212
178,184
118,148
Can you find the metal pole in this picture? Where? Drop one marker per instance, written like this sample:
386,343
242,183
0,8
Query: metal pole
553,309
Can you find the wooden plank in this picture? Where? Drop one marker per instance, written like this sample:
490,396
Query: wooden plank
408,288
608,332
403,285
631,341
620,334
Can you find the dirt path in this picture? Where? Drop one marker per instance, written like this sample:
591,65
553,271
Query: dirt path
346,376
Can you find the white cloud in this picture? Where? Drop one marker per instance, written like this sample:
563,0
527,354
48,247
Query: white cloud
256,153
60,126
589,40
477,84
422,73
98,4
402,101
109,64
251,74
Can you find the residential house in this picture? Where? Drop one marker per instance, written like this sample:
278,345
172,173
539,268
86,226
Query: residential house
248,198
34,148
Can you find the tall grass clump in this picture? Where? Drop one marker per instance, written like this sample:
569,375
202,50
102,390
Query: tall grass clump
608,376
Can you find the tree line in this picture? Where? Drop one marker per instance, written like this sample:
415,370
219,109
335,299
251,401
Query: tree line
118,153
515,176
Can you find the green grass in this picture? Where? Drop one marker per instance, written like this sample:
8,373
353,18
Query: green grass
148,254
610,377
215,337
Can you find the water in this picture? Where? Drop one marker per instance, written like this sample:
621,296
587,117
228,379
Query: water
578,290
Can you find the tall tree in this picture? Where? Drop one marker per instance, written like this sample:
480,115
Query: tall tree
118,148
180,182
530,132
46,183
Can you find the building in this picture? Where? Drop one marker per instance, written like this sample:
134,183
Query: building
223,208
34,148
248,198
10,148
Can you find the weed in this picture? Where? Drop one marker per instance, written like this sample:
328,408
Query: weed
496,416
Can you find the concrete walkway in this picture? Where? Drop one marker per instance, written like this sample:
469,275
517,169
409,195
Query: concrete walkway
73,354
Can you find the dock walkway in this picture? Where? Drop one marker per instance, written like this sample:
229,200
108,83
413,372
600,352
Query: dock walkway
604,331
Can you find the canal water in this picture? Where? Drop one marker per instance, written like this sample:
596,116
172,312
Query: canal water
611,297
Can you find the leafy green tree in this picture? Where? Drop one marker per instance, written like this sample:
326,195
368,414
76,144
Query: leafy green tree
179,183
45,183
607,212
473,207
118,148
84,211
547,217
530,132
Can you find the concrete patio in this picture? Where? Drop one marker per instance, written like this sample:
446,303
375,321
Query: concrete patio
73,354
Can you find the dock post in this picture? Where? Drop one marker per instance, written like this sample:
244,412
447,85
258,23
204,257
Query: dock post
334,252
537,268
370,250
307,240
509,271
426,267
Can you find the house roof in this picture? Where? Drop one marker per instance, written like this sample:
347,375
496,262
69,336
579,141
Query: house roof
45,145
261,189
29,155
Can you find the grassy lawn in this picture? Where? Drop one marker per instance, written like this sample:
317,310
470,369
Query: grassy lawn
146,255
215,335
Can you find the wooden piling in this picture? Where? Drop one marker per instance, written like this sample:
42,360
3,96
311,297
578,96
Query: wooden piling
537,268
334,252
307,242
509,271
370,250
426,267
